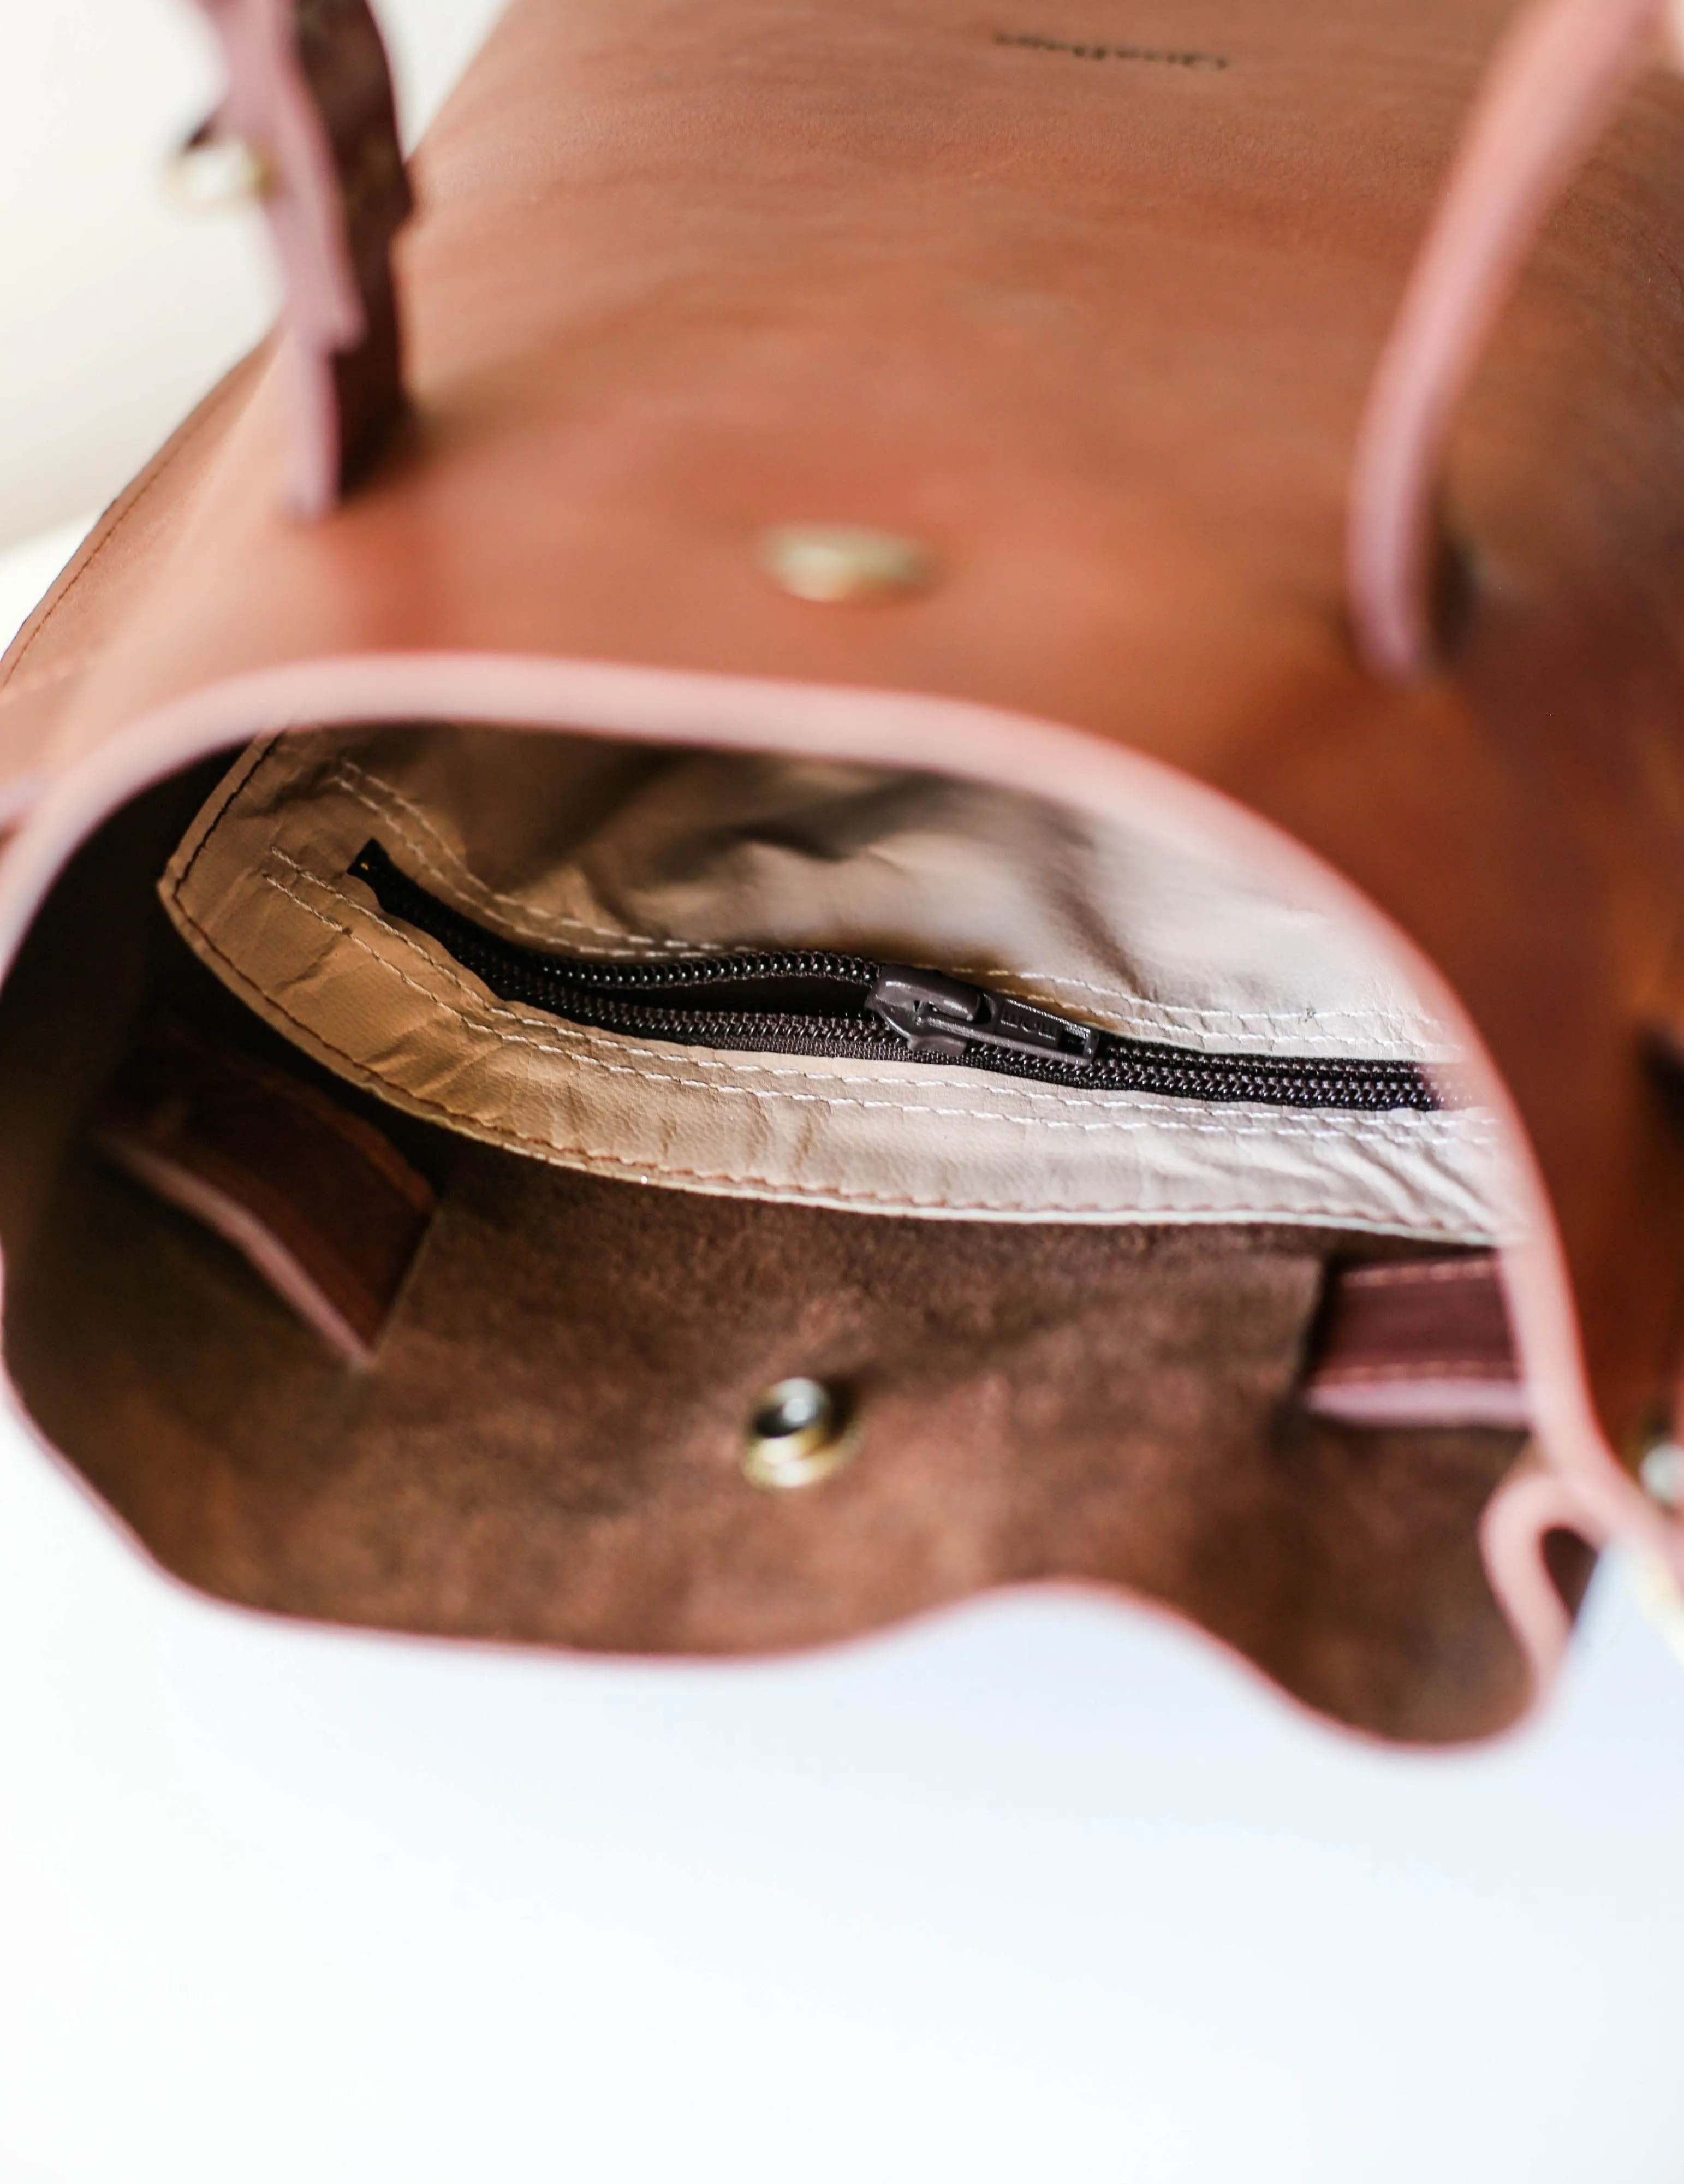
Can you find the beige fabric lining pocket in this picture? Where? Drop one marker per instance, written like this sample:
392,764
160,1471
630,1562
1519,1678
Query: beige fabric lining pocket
577,844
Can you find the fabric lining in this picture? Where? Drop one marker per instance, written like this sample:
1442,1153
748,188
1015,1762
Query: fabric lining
567,842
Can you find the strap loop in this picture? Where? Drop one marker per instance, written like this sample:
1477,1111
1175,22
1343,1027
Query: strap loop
1555,84
310,98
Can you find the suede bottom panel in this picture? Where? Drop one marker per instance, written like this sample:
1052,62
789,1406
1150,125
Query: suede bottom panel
546,1449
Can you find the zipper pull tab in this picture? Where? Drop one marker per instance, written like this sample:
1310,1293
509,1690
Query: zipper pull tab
944,1019
932,1014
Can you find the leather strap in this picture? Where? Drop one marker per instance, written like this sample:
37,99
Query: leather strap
318,1203
309,93
1418,1342
1556,81
309,90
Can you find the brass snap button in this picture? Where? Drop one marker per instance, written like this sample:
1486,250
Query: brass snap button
1662,1472
798,1433
211,173
833,563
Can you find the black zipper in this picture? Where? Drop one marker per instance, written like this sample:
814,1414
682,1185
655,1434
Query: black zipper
818,1001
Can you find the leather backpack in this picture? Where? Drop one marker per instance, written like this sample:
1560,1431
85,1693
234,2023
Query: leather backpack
899,807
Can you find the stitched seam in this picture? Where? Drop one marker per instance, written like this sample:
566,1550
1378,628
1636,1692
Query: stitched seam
976,971
120,517
1402,1130
1143,1124
1176,1112
240,778
1148,1013
810,1193
1139,1011
458,877
1499,1371
1455,1270
12,688
456,874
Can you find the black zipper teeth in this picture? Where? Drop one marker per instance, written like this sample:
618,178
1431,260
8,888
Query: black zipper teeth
827,1014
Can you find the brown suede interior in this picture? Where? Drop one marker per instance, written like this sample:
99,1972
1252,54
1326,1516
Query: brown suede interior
546,1447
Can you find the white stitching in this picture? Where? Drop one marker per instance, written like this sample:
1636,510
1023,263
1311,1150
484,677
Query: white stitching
1423,1038
1394,1019
1413,1126
1411,1276
811,1193
1164,1113
1494,1372
1135,1007
1169,1116
521,913
1416,1127
806,1192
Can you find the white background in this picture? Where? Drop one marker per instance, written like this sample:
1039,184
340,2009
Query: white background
1041,1889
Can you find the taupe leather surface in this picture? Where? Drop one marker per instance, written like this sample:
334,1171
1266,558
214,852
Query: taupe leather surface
584,845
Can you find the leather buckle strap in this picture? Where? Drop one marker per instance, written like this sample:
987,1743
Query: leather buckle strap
310,97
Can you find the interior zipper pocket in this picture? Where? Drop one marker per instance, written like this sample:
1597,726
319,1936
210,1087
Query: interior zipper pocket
820,1002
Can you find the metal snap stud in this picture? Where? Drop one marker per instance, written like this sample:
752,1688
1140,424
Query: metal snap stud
798,1434
833,563
215,173
1662,1472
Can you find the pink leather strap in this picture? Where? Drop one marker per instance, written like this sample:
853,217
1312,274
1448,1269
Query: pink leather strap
319,1203
1418,1343
309,93
1553,85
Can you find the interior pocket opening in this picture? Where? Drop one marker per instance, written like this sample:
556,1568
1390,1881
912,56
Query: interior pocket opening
1074,1314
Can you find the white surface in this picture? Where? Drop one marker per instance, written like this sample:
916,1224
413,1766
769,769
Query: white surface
1039,1890
117,308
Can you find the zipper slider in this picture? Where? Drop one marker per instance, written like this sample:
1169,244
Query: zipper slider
943,1019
